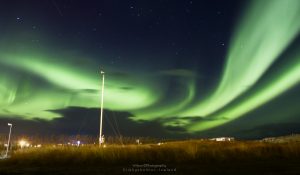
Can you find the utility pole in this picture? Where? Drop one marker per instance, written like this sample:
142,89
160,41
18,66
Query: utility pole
101,110
10,126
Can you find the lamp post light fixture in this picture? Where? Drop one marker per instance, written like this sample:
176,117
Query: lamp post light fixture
10,126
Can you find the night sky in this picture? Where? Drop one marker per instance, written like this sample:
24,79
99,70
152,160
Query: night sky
173,69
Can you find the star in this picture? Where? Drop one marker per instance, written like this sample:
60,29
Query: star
19,19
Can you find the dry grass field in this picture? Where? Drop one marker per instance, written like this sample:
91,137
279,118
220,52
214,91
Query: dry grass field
182,157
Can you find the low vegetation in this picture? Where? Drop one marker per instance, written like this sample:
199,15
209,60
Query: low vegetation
193,155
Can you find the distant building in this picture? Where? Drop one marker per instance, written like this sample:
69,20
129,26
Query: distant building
222,139
269,139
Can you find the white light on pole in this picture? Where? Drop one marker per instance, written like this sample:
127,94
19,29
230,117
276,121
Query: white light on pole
101,110
10,126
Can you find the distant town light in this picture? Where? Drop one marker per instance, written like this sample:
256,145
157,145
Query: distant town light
38,146
222,139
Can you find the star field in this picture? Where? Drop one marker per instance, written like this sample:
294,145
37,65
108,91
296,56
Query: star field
197,66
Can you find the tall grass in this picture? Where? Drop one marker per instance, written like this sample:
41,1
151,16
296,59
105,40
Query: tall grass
185,152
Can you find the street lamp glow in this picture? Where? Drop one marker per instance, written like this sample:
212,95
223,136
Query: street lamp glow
23,143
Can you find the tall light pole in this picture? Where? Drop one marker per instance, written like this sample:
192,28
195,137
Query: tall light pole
101,110
10,126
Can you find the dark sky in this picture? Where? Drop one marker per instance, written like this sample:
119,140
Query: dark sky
173,69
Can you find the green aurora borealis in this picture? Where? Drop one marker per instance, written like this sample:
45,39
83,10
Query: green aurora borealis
264,33
35,81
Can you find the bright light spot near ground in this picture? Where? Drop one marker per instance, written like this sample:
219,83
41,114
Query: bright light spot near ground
38,146
23,143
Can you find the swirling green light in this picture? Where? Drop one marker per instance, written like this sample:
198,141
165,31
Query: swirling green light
172,107
45,82
72,85
278,84
265,31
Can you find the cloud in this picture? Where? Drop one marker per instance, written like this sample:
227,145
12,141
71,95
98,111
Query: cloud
85,121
